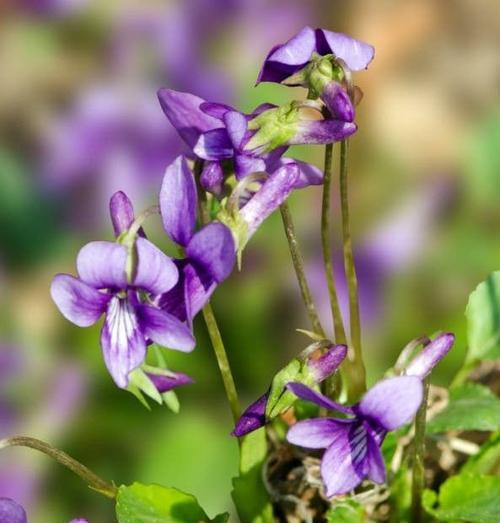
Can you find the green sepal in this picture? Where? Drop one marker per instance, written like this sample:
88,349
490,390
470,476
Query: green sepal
138,503
139,380
346,511
280,398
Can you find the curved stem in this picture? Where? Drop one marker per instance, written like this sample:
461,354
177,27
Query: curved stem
209,316
338,324
298,264
418,472
137,223
357,374
94,481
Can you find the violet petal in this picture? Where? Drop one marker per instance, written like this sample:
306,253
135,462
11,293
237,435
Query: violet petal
165,329
308,394
375,466
338,102
183,111
253,418
423,363
11,512
164,383
121,211
343,463
392,402
213,250
322,131
269,197
155,272
357,55
178,201
102,264
78,302
316,433
214,145
324,366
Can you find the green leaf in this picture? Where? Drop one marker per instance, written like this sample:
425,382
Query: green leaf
249,493
280,398
487,461
483,320
348,511
471,407
467,497
139,503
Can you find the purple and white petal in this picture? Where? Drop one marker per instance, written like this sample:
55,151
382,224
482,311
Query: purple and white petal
423,363
308,394
324,366
164,329
308,174
286,59
214,145
212,250
121,211
78,302
253,418
322,131
183,111
155,271
102,265
338,102
392,402
357,55
178,201
165,383
317,433
269,197
375,466
343,466
122,341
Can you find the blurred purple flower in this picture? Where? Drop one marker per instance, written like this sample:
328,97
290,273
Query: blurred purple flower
353,444
392,246
11,512
54,8
210,252
320,368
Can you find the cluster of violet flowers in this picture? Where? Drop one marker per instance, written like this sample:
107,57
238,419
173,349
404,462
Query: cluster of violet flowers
211,202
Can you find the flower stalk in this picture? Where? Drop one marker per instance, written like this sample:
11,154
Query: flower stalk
338,325
93,480
354,366
298,264
418,472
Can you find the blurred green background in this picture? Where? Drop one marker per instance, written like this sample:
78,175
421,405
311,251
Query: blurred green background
79,119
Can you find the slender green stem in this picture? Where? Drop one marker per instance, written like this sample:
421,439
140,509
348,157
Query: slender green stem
94,481
209,316
338,325
357,374
418,472
222,360
298,264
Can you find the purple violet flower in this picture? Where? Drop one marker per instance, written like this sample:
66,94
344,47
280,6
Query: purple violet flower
287,59
353,444
210,252
11,512
423,363
106,285
319,369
